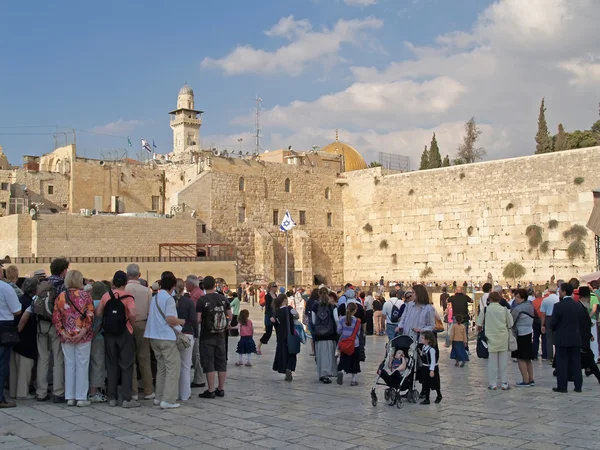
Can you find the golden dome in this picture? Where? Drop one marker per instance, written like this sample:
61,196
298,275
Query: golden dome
352,158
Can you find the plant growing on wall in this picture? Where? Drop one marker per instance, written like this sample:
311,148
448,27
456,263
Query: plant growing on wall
383,244
470,230
509,206
358,256
576,234
368,228
394,258
376,181
545,247
514,271
534,236
462,175
553,224
426,272
578,180
576,249
411,192
468,270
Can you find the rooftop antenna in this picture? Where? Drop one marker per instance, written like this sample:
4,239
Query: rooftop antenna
258,112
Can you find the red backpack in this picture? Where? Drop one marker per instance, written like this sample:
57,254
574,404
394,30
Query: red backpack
346,345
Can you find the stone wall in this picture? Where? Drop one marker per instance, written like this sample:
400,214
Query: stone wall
98,236
467,221
15,235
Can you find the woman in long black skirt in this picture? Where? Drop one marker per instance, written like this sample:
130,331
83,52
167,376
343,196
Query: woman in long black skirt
284,362
349,326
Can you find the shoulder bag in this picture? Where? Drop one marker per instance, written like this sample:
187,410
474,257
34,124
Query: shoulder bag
293,340
346,345
181,339
482,343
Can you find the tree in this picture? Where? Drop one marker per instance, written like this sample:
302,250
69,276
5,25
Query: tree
542,138
513,271
435,159
424,160
582,139
467,151
446,162
374,164
560,142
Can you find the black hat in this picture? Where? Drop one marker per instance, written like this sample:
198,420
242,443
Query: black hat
119,279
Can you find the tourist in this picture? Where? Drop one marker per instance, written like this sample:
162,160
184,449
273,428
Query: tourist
444,296
192,286
162,328
430,370
117,309
10,307
142,296
498,323
348,327
214,316
97,353
483,301
246,345
418,316
378,321
235,309
590,301
537,327
565,325
283,321
12,277
458,338
186,310
588,361
324,319
48,342
369,312
24,353
546,317
392,311
460,308
269,312
73,318
523,315
448,320
309,305
595,285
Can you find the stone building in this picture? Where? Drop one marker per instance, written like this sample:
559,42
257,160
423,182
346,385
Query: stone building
202,210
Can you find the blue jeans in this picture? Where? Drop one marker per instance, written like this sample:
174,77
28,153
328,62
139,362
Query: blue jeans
390,329
4,367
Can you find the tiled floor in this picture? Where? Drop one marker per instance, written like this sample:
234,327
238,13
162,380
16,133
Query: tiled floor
260,410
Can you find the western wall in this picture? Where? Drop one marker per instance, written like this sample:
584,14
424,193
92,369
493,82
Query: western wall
465,222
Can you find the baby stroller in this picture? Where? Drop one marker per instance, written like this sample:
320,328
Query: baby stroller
405,389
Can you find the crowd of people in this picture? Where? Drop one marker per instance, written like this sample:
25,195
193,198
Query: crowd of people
94,341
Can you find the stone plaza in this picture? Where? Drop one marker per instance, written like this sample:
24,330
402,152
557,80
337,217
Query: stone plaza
260,410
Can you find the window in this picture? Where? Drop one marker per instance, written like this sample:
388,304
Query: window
328,193
302,217
329,219
155,203
203,228
242,184
4,186
50,190
242,214
287,185
276,217
3,205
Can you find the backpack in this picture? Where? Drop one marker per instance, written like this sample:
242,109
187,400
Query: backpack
217,317
114,318
323,325
396,312
346,345
43,304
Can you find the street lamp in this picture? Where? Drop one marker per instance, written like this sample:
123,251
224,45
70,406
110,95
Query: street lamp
240,141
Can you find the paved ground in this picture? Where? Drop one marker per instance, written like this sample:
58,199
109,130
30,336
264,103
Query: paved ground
261,410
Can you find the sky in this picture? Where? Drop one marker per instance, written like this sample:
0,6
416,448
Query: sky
386,73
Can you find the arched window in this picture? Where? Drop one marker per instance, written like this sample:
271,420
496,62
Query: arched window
328,193
287,185
242,184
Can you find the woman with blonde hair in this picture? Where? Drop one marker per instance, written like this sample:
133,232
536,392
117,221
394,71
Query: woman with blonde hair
73,319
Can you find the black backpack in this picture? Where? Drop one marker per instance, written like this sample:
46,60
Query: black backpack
323,325
114,318
396,312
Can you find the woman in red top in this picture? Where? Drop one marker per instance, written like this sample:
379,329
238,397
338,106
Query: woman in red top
73,317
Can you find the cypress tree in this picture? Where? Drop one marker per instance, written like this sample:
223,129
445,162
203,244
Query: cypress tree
435,159
542,138
561,142
446,162
424,160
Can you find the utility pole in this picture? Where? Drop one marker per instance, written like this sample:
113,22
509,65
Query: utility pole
258,112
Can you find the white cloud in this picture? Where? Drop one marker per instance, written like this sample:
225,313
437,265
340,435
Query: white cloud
118,127
306,47
360,2
584,71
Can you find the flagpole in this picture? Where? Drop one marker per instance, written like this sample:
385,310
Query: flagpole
286,261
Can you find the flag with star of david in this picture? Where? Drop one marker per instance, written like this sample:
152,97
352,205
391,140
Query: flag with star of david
287,223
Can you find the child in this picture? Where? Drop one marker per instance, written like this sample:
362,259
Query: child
448,319
430,372
458,337
396,367
348,327
246,345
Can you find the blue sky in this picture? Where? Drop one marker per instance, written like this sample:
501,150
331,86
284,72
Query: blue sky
398,71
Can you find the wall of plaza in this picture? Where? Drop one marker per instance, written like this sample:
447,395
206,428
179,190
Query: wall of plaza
465,222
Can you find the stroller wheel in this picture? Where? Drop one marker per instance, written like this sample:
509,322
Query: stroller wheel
399,402
386,394
415,395
373,398
392,396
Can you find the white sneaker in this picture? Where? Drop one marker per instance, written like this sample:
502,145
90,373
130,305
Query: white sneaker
157,402
70,402
165,405
135,397
150,396
83,403
131,404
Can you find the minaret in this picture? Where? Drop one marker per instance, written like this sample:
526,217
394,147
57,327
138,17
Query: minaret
186,122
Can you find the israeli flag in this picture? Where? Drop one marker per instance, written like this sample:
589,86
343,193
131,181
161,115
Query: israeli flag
287,223
146,146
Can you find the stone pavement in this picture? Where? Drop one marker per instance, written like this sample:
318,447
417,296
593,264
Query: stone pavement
260,411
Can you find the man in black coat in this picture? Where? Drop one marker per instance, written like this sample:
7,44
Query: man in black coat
567,339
